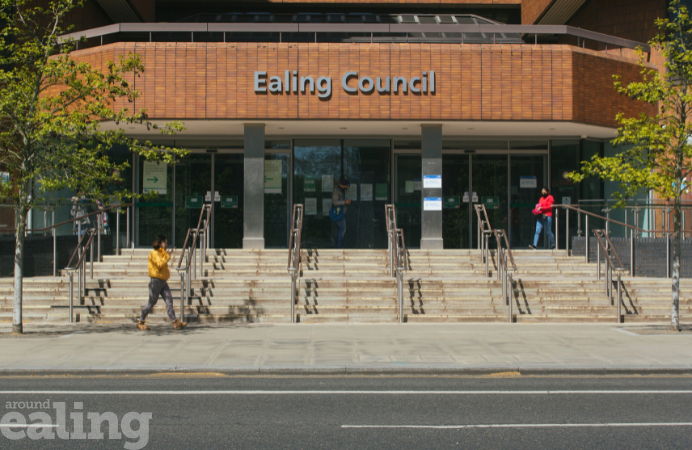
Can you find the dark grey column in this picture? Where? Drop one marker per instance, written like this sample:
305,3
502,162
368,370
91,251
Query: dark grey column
253,209
431,233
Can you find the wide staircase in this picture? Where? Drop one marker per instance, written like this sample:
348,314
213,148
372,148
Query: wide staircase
354,286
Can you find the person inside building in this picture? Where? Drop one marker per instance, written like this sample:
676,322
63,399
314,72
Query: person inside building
79,212
544,214
339,200
158,284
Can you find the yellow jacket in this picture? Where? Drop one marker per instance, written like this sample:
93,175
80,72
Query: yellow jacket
158,264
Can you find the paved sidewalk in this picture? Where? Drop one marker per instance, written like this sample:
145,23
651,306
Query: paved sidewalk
408,348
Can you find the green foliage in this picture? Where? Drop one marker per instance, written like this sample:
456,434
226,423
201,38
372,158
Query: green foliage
661,145
52,108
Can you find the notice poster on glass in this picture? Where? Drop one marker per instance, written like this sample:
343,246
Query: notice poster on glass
417,184
432,204
327,183
309,184
272,176
310,206
366,192
352,192
326,206
528,182
432,181
154,177
410,187
381,192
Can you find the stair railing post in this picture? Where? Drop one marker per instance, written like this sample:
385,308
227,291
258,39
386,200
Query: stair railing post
557,230
511,299
567,231
117,231
632,236
293,297
598,261
71,292
619,297
667,255
485,252
55,251
400,294
91,260
586,242
127,229
99,227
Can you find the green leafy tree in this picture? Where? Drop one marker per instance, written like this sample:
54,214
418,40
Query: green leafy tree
51,108
659,147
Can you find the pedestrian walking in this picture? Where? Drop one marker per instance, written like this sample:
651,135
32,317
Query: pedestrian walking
338,212
158,284
544,214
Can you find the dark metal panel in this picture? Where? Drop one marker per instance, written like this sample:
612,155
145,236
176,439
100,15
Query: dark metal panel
344,28
162,27
254,27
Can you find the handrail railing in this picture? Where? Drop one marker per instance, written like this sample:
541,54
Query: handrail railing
186,273
381,29
401,266
80,252
634,231
99,227
390,220
294,259
609,252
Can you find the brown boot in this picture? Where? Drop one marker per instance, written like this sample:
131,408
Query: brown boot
178,325
142,326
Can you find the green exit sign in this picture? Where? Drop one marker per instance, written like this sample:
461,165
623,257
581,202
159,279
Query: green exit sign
451,202
194,201
229,201
491,202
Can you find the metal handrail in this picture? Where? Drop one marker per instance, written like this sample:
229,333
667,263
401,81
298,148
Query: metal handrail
185,272
608,221
401,267
100,211
294,258
80,250
610,266
390,216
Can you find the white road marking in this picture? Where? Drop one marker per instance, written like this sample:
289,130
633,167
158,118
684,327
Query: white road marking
305,392
529,425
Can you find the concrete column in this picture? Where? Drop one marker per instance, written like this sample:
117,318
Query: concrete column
253,209
431,233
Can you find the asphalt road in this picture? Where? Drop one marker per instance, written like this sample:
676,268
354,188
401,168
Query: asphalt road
206,411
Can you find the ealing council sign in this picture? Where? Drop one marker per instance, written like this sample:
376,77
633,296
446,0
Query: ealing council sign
423,84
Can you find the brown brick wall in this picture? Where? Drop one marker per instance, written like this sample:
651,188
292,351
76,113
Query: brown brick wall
531,10
628,19
473,82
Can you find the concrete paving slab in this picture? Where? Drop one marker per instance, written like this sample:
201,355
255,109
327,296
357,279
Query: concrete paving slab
318,347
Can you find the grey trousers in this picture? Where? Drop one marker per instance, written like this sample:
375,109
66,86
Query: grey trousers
159,287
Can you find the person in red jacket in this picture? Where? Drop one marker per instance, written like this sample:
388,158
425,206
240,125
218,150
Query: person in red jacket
544,212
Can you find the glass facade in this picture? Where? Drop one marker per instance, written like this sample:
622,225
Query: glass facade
505,176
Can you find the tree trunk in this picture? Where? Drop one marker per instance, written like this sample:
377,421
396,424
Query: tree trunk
17,324
677,226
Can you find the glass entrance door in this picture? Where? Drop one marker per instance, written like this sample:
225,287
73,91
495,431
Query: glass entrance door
528,177
319,165
227,223
456,201
193,179
408,197
202,178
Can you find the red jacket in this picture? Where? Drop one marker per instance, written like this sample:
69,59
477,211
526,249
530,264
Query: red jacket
546,205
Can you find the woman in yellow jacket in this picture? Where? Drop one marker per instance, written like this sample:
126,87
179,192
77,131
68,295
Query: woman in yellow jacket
158,271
